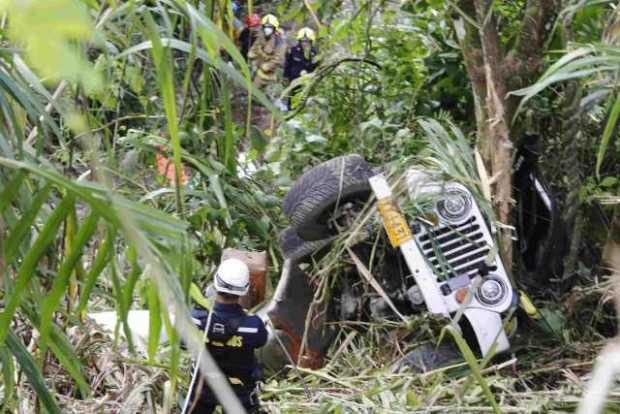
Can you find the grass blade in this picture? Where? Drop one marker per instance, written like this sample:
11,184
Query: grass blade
154,321
228,152
29,367
100,262
62,349
607,134
11,189
29,263
24,225
51,302
8,375
119,301
165,76
471,360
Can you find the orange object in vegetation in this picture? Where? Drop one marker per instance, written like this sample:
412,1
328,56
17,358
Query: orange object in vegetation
165,168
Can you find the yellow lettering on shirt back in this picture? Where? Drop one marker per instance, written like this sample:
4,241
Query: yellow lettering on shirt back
236,341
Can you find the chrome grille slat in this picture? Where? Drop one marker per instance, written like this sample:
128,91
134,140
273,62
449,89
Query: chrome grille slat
452,234
455,259
456,244
455,250
452,252
442,230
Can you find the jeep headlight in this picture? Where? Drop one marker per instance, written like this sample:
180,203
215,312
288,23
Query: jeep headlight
454,206
491,291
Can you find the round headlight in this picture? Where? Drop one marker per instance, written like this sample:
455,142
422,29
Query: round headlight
454,206
492,291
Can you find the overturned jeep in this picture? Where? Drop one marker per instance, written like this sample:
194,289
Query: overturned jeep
437,253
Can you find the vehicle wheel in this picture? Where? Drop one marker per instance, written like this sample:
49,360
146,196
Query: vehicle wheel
295,248
320,191
428,357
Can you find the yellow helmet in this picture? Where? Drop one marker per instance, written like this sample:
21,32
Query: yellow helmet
306,33
271,20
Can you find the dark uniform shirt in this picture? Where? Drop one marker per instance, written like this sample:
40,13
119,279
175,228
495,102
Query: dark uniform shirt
297,61
232,338
247,37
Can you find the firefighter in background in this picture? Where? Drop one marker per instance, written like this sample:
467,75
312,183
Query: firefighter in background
267,53
249,34
301,58
231,337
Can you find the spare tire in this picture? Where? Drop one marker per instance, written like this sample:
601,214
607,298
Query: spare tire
320,189
295,248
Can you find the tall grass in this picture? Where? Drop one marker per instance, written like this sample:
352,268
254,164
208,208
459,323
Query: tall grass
83,231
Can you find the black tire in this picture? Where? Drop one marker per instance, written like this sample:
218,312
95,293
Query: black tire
428,357
315,193
295,248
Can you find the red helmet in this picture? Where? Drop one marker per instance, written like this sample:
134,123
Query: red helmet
253,20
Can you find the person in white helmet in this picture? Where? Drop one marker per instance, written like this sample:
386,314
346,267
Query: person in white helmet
232,337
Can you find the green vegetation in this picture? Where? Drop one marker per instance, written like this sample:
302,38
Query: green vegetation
93,93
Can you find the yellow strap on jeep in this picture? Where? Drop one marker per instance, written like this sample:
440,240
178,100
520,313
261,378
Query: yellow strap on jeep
528,306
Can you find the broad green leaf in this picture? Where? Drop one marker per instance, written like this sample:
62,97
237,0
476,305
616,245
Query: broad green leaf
609,182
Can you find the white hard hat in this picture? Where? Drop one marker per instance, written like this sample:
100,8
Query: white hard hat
233,277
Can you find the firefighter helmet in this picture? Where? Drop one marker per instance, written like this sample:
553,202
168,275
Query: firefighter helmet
233,277
306,33
271,20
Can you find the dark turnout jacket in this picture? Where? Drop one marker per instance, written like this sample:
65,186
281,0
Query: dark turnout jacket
296,62
247,37
232,338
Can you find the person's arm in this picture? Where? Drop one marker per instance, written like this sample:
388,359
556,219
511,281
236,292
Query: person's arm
275,61
199,318
287,65
255,50
261,335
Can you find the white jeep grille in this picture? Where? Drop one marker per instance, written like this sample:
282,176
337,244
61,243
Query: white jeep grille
454,250
456,246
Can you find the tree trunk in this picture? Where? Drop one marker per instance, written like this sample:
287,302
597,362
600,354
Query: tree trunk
493,73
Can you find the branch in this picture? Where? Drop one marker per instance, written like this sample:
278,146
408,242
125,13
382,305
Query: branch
317,22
